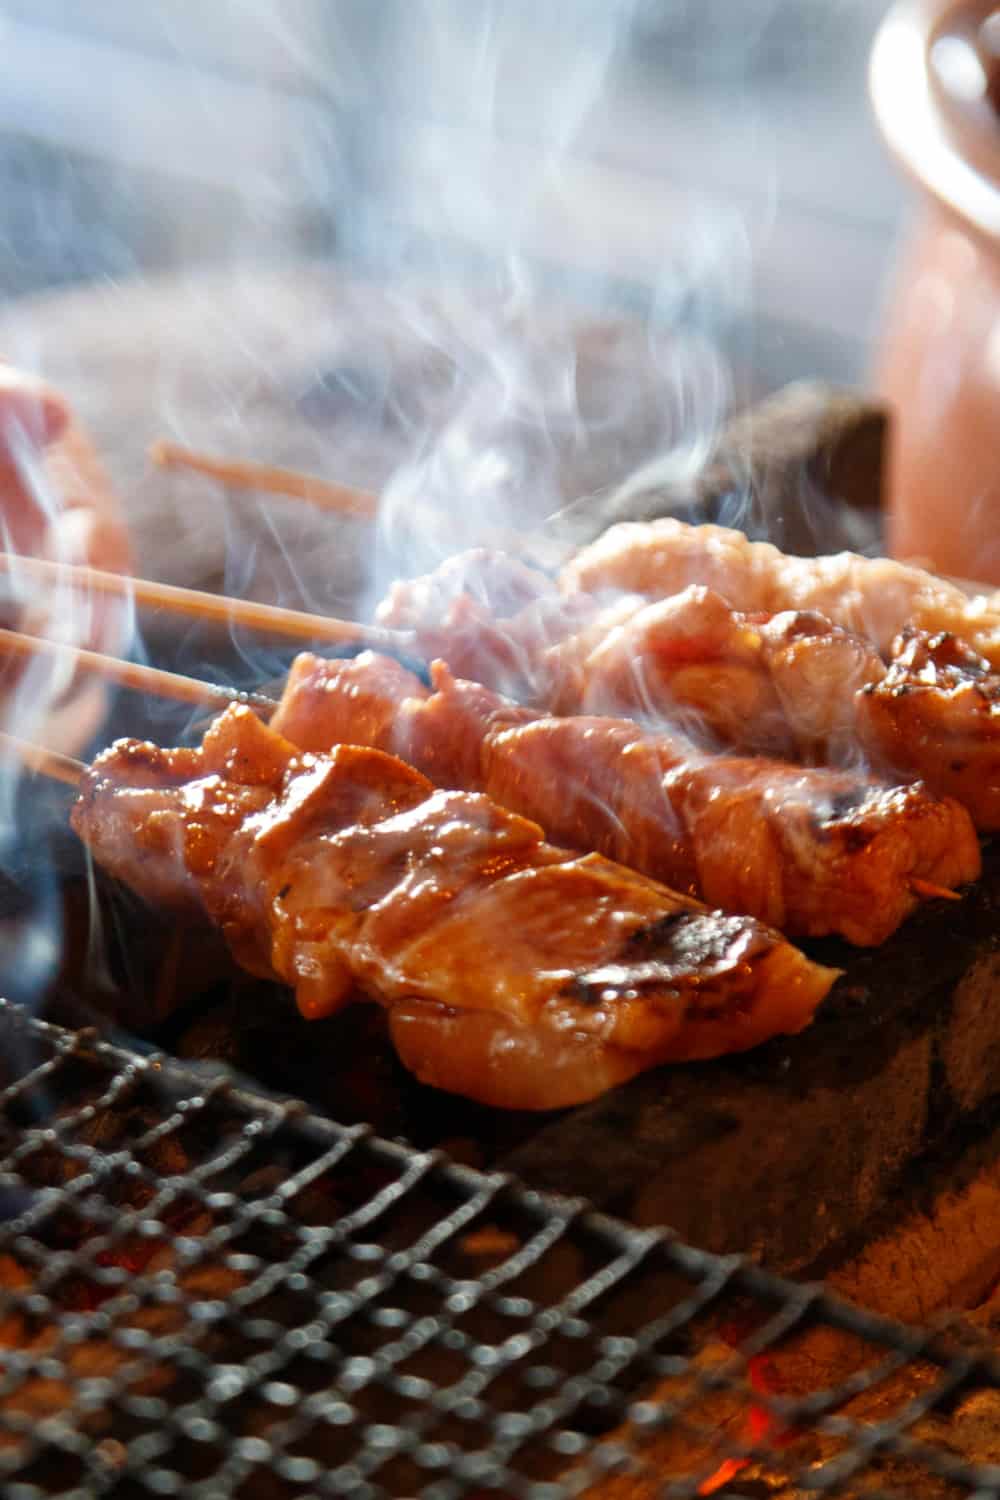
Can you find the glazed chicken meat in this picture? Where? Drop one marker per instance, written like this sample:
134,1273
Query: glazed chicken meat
936,712
792,684
512,971
875,596
809,850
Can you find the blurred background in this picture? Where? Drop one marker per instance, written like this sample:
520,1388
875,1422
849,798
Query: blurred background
485,258
149,137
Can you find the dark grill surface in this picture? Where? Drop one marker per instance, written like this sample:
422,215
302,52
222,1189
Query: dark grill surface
206,1292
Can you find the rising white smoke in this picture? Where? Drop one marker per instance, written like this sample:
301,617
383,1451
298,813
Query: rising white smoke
577,298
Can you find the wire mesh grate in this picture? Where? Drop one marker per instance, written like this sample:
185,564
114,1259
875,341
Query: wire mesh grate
208,1292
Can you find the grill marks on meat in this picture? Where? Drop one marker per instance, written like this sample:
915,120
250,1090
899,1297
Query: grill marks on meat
512,971
811,851
936,712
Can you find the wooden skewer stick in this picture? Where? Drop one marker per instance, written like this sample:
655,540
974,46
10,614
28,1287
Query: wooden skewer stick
295,624
321,493
928,891
49,762
340,499
134,675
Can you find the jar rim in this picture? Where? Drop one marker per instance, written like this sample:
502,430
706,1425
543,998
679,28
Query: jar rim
951,150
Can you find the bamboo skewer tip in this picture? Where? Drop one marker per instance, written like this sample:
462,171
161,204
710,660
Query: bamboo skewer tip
927,890
135,675
51,763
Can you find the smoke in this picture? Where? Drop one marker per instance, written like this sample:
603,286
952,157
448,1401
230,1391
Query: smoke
579,299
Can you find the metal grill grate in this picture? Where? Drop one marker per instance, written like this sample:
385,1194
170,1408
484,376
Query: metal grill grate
204,1292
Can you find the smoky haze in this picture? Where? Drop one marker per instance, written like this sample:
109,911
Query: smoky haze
483,175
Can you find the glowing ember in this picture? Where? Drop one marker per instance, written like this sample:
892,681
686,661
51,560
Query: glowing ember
760,1426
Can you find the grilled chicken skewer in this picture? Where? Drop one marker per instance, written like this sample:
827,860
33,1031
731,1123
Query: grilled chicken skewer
513,972
817,851
811,851
780,684
792,684
446,614
797,686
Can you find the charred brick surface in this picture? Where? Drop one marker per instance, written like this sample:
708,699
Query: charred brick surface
787,1150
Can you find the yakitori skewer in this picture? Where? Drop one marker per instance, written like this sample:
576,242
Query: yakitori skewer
342,499
441,732
297,859
294,624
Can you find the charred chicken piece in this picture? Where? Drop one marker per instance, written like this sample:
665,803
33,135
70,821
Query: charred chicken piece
937,712
810,851
876,597
513,972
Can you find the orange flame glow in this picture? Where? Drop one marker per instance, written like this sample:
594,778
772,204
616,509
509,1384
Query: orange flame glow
760,1426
